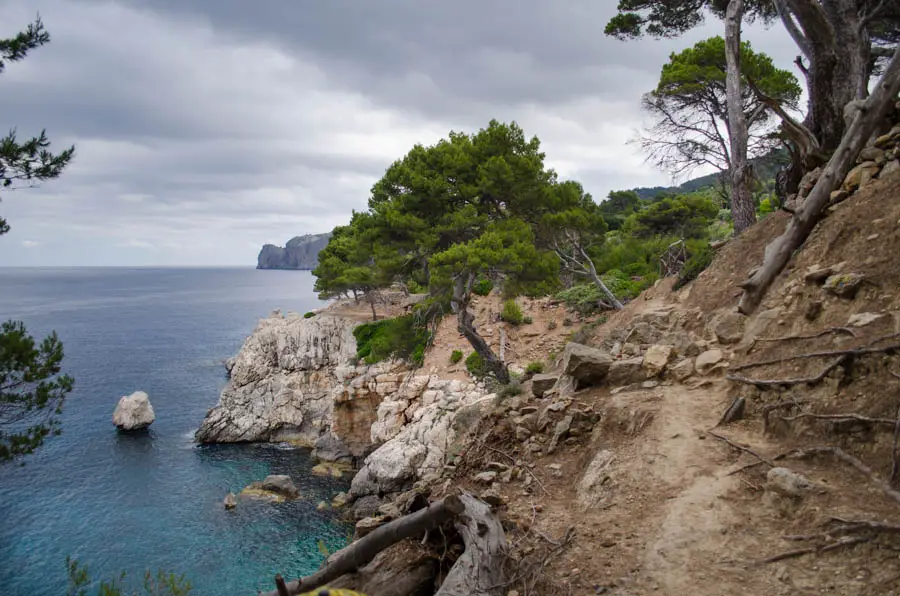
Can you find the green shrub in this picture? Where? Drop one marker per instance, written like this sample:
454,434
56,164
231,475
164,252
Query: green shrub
567,322
534,368
483,287
511,389
551,325
699,259
158,584
475,365
414,287
309,315
456,356
512,313
527,320
402,337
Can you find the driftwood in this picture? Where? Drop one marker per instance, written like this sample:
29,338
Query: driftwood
804,220
361,552
481,569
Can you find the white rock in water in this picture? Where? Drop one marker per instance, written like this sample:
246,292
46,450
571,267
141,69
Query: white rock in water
134,412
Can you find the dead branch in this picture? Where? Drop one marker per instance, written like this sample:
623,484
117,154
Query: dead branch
482,564
787,382
739,447
828,331
361,552
848,459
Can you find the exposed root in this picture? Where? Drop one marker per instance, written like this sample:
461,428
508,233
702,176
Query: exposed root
761,458
848,459
828,331
849,533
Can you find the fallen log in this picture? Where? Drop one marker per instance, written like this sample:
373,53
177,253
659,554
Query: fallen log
780,250
481,569
361,552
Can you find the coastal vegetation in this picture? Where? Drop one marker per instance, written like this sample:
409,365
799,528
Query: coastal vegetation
32,390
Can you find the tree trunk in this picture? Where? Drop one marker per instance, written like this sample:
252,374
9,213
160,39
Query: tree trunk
743,211
359,553
779,251
592,271
371,296
462,289
481,570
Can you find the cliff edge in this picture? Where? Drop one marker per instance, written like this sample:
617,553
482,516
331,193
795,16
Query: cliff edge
300,252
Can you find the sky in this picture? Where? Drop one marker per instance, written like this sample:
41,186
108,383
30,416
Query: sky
207,128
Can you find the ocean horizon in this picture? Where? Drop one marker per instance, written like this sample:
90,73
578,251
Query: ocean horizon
149,501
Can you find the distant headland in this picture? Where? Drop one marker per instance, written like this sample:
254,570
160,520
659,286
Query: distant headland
300,252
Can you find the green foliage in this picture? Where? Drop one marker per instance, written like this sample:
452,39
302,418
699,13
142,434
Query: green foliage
534,368
456,356
767,205
618,206
511,313
670,18
32,391
483,286
24,163
309,315
475,365
401,337
689,107
527,320
159,584
511,389
687,216
699,258
586,298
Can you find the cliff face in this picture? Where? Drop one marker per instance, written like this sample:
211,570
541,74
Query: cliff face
301,252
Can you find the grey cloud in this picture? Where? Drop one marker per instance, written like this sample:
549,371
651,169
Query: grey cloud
206,128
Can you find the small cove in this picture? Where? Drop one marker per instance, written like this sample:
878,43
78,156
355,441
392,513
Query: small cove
152,501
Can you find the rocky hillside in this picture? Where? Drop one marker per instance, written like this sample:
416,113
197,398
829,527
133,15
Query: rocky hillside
675,447
300,252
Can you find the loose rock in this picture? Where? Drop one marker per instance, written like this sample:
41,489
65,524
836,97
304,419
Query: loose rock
626,372
588,366
657,358
542,383
787,483
845,285
708,360
230,501
729,328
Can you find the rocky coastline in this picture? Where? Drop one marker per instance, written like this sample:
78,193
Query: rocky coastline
294,380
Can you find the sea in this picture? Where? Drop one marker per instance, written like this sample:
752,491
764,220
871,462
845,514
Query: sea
133,503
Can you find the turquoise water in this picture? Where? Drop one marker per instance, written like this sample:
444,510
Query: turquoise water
131,503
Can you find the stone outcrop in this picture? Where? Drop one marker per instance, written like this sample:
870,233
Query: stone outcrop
283,384
134,412
587,366
421,435
300,252
275,488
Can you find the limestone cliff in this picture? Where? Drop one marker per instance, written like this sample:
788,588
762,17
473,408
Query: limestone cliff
300,252
293,380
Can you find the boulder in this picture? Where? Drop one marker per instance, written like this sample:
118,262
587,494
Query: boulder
230,501
332,469
787,483
845,285
816,274
588,366
339,500
682,370
329,448
708,360
889,168
280,484
657,358
134,412
542,383
595,486
862,319
626,372
860,175
871,154
729,328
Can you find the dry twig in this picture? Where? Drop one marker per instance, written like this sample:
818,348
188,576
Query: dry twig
840,418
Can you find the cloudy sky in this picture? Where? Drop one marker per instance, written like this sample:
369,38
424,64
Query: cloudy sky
206,128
